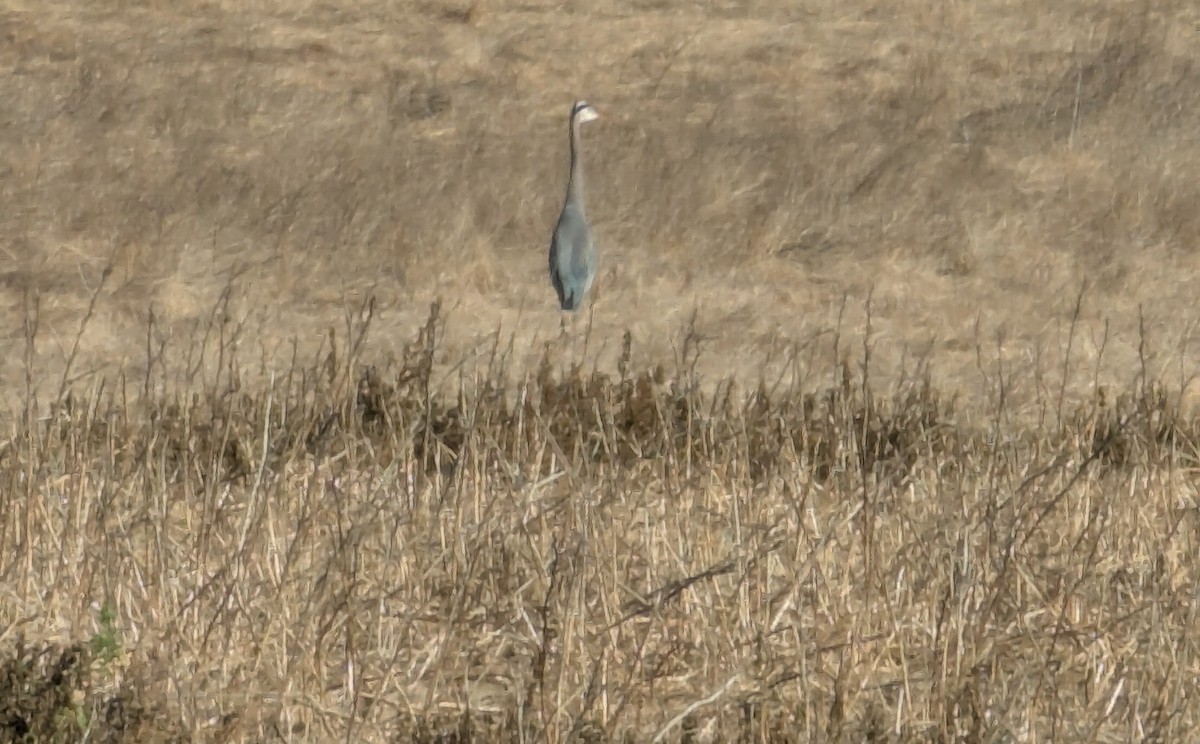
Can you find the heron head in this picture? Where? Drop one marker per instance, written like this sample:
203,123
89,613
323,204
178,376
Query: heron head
583,112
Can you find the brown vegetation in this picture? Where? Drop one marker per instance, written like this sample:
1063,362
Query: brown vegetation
881,425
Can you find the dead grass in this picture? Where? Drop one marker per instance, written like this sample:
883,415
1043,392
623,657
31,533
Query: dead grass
881,425
347,554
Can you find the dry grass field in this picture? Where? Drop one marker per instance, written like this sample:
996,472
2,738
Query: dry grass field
881,425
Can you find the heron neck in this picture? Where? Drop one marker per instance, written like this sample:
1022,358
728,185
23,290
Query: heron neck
575,180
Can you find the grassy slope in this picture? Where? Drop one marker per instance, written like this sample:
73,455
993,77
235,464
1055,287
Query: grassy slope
973,163
940,180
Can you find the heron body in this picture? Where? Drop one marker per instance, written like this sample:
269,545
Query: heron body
572,251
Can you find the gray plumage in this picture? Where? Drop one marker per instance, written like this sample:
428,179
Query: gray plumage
572,252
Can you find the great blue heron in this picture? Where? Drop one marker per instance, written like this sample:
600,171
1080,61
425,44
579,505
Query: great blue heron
572,252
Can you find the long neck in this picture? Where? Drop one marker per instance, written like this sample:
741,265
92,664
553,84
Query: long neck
575,180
